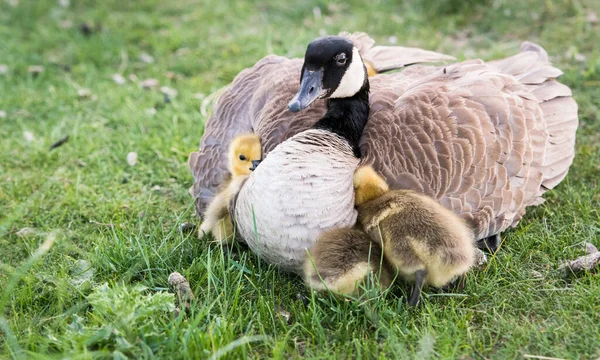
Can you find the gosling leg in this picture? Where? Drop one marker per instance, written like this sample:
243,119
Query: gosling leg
415,294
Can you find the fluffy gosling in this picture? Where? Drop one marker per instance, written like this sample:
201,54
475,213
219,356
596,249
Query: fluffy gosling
342,259
245,154
425,242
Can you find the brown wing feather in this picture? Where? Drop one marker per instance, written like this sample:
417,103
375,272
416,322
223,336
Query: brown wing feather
503,133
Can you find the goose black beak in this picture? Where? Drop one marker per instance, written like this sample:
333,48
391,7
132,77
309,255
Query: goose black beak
255,164
311,89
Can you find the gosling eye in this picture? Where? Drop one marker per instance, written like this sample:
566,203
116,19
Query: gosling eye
242,157
340,59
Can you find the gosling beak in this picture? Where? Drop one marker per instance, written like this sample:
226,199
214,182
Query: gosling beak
311,89
255,164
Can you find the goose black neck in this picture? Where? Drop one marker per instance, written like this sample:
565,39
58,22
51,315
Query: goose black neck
347,117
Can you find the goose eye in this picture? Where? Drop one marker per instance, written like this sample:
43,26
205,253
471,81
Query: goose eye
242,157
341,59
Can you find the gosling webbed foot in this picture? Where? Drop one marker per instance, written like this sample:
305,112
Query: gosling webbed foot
415,294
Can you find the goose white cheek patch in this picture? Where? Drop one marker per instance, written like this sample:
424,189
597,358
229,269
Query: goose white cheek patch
353,78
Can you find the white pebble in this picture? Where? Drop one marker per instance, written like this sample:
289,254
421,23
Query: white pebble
119,79
146,58
168,91
84,93
317,12
132,158
150,83
28,135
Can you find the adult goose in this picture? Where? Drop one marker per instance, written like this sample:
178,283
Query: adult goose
257,100
486,139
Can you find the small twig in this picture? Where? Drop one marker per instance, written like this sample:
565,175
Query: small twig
101,224
583,263
527,356
182,290
59,143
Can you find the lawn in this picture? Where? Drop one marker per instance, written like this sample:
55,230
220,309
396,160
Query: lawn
89,234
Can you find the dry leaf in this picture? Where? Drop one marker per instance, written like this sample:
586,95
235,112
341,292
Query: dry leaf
536,274
168,91
35,69
132,158
592,18
282,313
25,232
172,75
182,51
150,83
84,93
117,78
146,58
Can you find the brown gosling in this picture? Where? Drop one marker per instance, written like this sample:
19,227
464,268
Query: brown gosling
342,259
245,154
426,243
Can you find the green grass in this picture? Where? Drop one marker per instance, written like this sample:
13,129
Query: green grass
99,290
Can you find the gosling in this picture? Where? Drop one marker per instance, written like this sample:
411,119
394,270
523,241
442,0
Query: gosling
424,242
245,154
341,261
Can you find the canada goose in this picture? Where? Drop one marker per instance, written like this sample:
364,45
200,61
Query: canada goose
342,259
485,139
257,100
422,240
244,156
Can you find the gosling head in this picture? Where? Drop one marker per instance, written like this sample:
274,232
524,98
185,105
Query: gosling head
368,185
245,154
332,68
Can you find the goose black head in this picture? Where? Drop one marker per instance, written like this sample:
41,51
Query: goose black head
332,68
